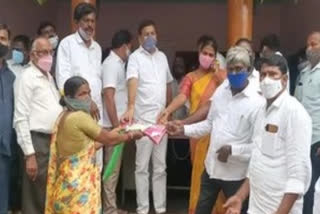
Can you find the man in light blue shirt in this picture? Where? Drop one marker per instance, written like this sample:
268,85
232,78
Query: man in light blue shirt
308,93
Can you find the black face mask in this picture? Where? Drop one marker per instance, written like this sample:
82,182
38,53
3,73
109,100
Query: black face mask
3,50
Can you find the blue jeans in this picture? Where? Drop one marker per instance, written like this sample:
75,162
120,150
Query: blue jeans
5,162
309,196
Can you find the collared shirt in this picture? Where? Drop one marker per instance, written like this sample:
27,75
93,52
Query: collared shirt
74,58
7,79
280,161
307,92
17,69
114,76
36,106
230,121
153,74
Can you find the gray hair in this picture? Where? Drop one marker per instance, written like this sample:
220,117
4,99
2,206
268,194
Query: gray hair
35,42
238,54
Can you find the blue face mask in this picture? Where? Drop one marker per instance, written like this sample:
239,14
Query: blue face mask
149,44
17,57
238,80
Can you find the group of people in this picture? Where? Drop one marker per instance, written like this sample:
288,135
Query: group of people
254,147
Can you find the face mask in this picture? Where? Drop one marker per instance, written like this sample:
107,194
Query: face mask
270,87
4,49
54,41
45,63
205,61
238,80
17,57
149,44
77,104
313,56
84,35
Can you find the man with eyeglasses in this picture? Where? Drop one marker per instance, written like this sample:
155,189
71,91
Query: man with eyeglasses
36,110
80,55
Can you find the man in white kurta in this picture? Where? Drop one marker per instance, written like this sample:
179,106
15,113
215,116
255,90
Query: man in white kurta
280,167
79,55
149,81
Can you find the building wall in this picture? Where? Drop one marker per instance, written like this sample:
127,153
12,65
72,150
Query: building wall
297,21
179,24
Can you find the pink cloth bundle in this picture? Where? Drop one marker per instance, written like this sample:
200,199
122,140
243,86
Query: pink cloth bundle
155,133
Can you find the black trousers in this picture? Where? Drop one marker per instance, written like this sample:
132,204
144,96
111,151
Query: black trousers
210,189
309,196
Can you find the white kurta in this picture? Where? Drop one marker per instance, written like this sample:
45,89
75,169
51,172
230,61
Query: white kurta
280,161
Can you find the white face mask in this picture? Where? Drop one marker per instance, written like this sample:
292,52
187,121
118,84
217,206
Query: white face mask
270,87
54,41
84,34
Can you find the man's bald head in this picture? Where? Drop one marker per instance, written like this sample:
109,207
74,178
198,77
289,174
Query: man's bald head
313,48
39,42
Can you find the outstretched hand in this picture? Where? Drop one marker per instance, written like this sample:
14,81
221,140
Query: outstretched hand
175,128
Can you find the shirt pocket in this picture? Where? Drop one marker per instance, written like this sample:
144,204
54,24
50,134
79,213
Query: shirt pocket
268,146
272,144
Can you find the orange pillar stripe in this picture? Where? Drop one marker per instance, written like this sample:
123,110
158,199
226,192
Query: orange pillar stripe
240,20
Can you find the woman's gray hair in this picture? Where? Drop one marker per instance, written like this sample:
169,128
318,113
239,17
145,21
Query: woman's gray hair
238,54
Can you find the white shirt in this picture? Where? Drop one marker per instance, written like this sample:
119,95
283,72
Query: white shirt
114,76
17,69
36,106
230,121
153,74
74,58
280,161
307,92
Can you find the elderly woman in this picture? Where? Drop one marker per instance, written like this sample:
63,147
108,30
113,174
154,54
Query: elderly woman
197,87
73,177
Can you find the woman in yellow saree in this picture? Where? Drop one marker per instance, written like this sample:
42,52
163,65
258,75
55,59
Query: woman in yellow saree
73,185
197,87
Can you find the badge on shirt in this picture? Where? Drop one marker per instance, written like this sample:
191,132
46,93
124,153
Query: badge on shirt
271,128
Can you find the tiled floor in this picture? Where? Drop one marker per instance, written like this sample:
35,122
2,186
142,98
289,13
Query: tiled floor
177,202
